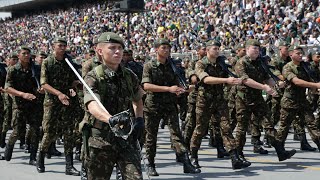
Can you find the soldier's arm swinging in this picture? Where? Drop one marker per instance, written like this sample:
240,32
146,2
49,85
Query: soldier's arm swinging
62,97
254,84
24,95
306,84
157,88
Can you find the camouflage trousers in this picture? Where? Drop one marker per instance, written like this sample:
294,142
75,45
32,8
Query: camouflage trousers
103,157
217,114
7,113
261,113
182,106
152,120
275,110
57,120
306,118
190,123
20,118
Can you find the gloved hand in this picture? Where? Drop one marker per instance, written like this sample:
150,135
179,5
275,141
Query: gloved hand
138,128
122,118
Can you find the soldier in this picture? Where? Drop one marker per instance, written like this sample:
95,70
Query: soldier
161,85
23,87
241,51
212,106
135,66
249,98
314,97
3,74
279,62
11,61
117,88
294,102
57,79
191,113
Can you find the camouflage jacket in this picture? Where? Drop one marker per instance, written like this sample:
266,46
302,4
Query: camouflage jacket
205,68
135,67
192,97
246,68
117,90
21,80
88,65
58,75
294,96
162,75
278,63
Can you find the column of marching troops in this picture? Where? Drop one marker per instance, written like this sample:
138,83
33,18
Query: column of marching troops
42,100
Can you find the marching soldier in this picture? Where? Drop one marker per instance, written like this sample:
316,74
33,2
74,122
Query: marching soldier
161,85
249,98
21,84
57,79
212,106
294,102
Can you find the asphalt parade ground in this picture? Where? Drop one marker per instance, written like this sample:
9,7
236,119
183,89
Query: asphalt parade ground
302,166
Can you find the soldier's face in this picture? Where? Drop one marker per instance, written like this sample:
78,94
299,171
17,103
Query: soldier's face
213,51
59,48
253,52
296,55
316,58
284,50
24,56
164,51
12,61
202,51
111,53
39,59
241,52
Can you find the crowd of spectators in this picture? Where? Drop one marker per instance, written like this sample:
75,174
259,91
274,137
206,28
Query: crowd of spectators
185,22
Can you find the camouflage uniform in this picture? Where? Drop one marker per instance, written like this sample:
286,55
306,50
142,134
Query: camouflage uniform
160,105
23,111
278,63
2,82
56,118
294,103
190,122
250,101
104,148
211,106
314,99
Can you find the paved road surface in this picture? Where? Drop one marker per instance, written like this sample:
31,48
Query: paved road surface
303,166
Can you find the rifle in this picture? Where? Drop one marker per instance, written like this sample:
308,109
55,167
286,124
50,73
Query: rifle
310,73
182,81
222,63
34,75
266,67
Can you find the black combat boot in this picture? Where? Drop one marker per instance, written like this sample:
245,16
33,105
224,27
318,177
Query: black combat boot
256,140
118,173
8,152
77,152
84,174
194,158
3,140
221,152
187,166
304,145
179,158
266,142
55,151
151,168
245,162
259,149
212,142
40,162
281,152
70,170
236,162
22,143
33,154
